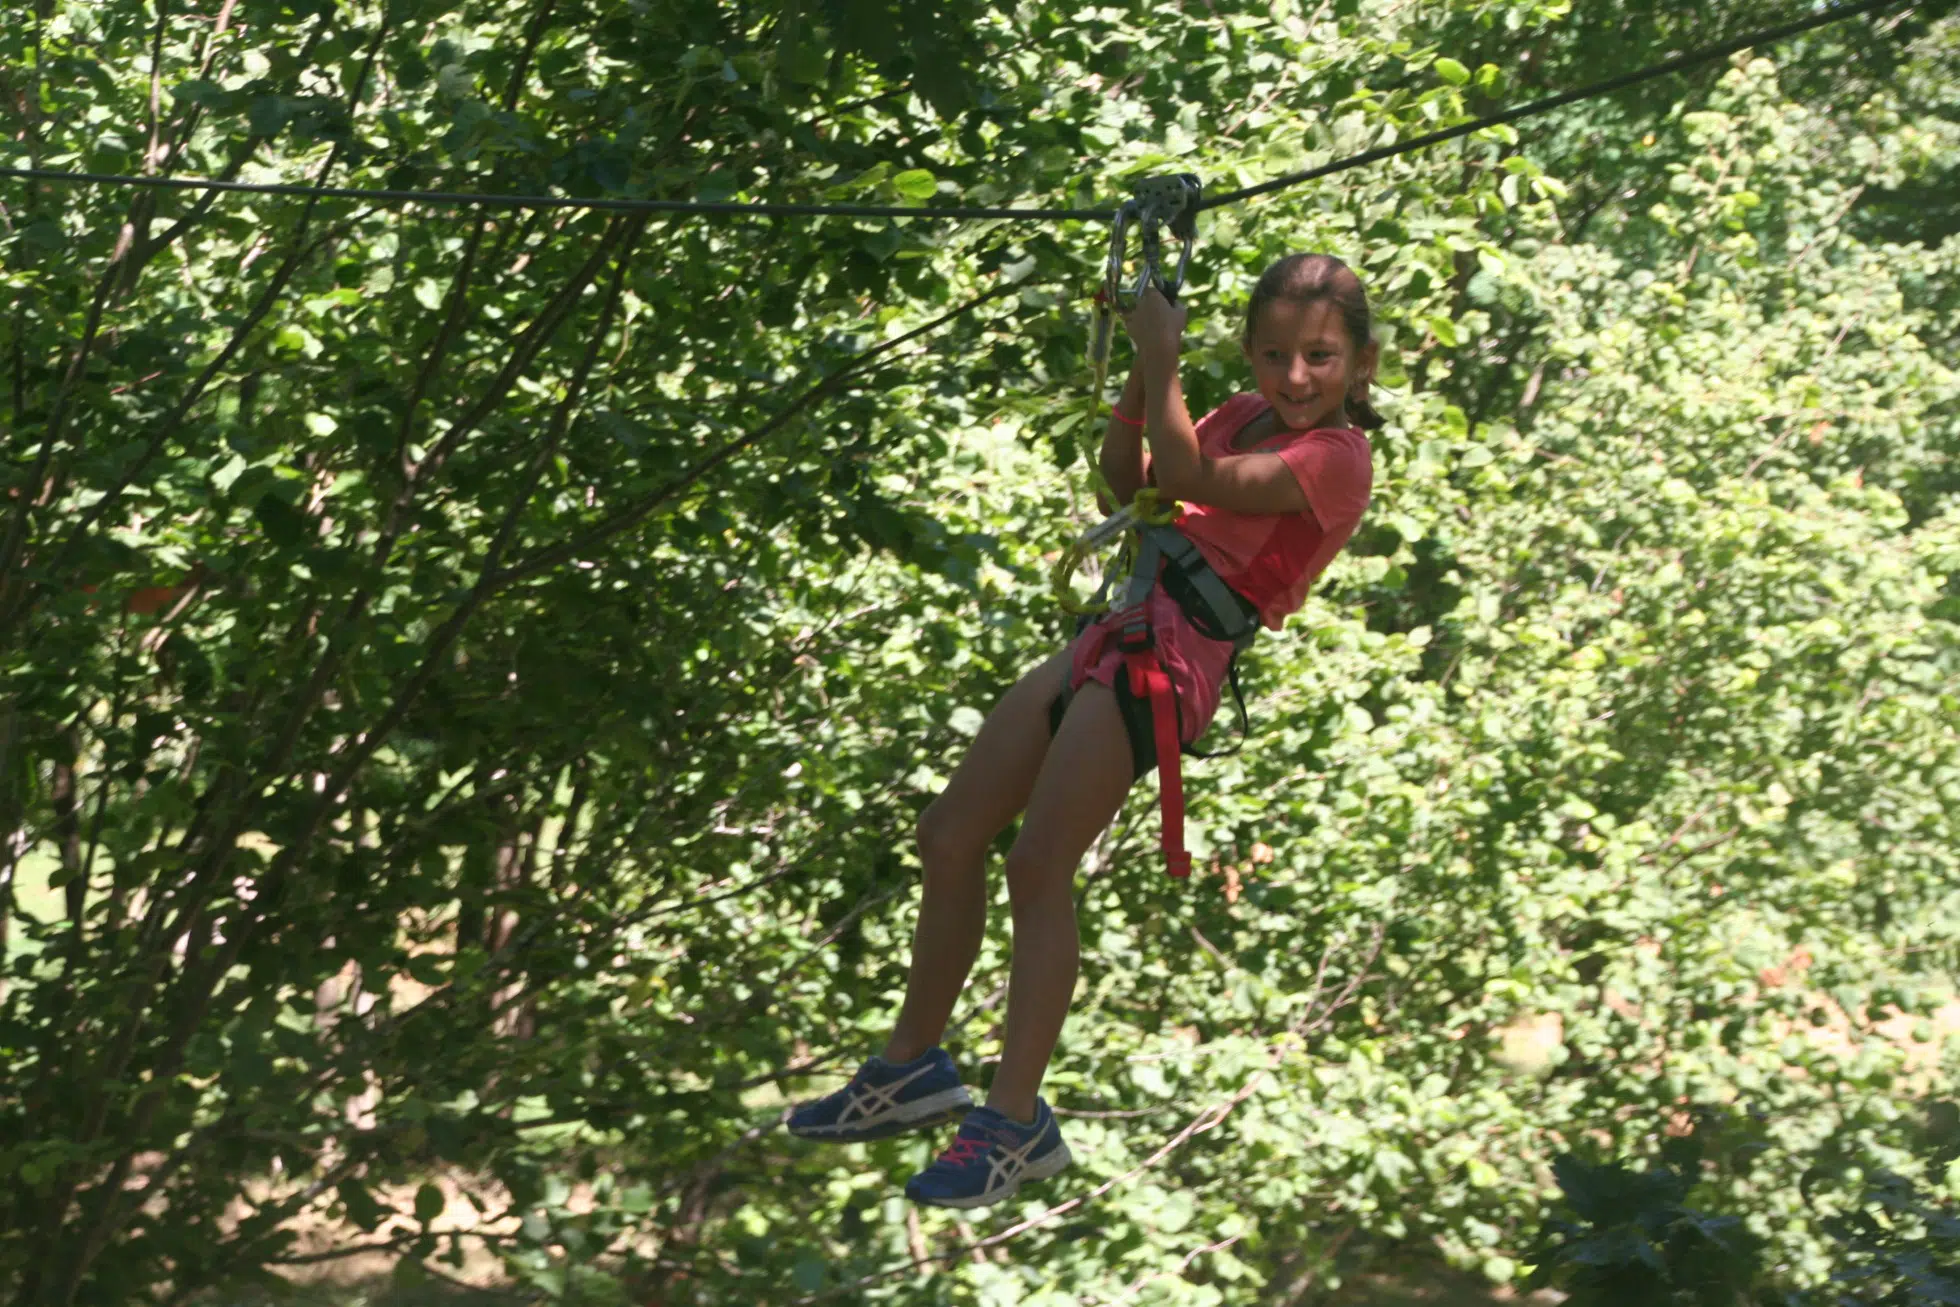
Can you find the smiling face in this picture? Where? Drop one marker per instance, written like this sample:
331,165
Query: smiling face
1304,362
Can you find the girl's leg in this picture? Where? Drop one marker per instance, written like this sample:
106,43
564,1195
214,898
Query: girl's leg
1079,791
988,788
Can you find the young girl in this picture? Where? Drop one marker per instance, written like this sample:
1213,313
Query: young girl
1272,484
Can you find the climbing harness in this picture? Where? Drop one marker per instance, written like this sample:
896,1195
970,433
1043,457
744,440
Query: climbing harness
1217,612
1152,550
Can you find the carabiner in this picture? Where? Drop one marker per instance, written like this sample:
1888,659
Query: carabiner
1157,202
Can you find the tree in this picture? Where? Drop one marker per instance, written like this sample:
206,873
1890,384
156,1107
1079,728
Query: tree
570,610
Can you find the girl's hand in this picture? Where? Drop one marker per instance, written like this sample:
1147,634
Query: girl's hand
1156,327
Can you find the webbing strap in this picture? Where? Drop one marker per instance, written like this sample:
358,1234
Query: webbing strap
1228,614
1149,681
1245,722
1143,571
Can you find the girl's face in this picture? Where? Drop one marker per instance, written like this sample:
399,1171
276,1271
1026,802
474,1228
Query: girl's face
1304,363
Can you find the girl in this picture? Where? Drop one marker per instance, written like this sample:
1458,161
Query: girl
1273,483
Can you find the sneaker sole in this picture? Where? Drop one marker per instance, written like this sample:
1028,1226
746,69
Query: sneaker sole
921,1114
1053,1163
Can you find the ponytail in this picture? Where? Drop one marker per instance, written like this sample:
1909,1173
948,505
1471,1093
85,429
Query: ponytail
1363,413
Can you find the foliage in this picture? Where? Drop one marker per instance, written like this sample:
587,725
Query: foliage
1638,1241
1902,1246
469,674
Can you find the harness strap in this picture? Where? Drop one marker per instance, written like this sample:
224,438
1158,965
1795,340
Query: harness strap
1225,615
1149,682
1245,720
1143,572
1222,615
1229,619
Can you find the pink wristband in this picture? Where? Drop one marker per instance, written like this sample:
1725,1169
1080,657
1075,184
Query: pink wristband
1120,416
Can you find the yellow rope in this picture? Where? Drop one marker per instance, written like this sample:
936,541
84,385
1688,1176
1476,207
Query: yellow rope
1145,506
1102,326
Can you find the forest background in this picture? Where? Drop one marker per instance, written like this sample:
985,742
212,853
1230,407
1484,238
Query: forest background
470,673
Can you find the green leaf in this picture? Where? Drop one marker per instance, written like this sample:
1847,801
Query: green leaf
806,61
1432,456
284,525
362,1209
1452,72
915,184
1176,1213
267,114
199,91
881,244
870,177
809,1272
191,664
44,235
429,1203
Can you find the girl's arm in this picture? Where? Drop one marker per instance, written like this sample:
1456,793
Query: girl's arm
1242,483
1122,462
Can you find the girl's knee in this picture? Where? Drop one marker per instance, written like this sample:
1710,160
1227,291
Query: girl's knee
941,842
1033,876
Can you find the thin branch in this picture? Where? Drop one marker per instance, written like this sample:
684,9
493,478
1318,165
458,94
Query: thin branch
1130,1294
633,513
395,1244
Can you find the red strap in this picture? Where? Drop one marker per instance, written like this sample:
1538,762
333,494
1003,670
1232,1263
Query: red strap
1149,681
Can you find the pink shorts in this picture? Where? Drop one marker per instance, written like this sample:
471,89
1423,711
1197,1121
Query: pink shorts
1195,664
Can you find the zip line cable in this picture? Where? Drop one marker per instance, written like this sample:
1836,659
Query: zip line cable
1680,63
706,208
770,209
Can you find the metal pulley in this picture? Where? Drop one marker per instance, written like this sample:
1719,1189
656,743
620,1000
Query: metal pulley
1155,203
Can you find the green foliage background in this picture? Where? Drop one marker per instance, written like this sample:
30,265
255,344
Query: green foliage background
440,762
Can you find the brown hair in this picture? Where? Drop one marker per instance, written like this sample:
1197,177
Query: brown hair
1307,279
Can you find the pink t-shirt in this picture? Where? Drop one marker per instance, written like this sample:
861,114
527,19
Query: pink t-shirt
1271,558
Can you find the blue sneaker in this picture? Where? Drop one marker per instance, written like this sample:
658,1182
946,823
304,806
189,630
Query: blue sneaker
883,1100
990,1158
